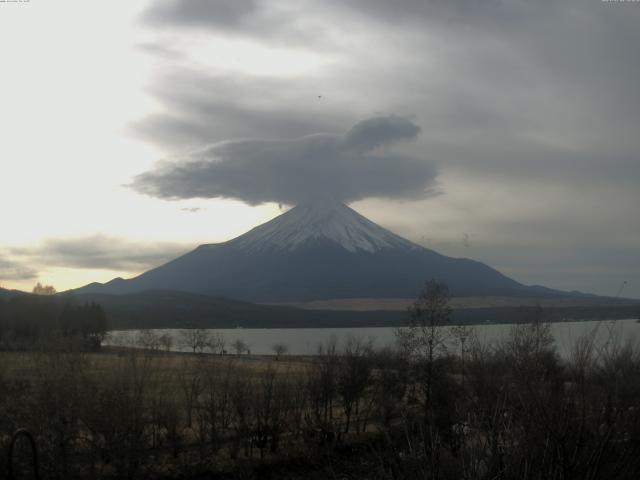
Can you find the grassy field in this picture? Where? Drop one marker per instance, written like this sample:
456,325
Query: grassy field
25,365
401,304
511,411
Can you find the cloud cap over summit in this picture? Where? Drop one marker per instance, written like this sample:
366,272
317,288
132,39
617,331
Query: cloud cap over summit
348,167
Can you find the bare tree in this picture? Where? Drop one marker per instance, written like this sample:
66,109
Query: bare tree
354,376
239,346
321,390
166,341
424,341
148,340
279,349
461,334
197,339
215,403
424,337
191,383
216,343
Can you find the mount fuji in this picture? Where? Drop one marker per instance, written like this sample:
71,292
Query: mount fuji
318,250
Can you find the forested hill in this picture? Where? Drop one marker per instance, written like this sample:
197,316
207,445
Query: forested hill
30,316
28,320
172,309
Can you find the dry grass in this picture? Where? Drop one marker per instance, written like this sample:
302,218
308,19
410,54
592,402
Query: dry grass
401,304
24,365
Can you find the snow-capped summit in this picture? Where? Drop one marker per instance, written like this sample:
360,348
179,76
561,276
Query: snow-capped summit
321,221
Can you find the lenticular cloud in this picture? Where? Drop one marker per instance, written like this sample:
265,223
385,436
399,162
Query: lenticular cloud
356,165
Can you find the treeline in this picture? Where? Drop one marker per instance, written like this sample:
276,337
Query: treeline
515,410
29,321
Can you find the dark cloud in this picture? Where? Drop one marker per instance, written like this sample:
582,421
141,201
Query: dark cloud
223,14
279,22
347,167
100,252
217,120
376,132
496,84
12,270
416,11
201,109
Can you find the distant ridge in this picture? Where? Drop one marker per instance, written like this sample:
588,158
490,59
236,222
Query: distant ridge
5,293
318,250
172,309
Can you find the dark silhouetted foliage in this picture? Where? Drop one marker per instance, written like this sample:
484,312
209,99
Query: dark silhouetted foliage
33,320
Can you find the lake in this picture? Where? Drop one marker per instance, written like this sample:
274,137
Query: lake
305,341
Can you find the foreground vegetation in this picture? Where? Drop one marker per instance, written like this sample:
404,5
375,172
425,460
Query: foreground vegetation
514,410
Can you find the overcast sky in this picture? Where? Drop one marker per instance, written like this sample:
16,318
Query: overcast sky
504,131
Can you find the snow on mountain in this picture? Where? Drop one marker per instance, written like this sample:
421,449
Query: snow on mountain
318,250
320,222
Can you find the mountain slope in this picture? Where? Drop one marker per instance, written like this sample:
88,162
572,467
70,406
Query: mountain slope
318,250
323,221
4,293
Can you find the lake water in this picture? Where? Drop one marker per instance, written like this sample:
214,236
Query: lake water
305,341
